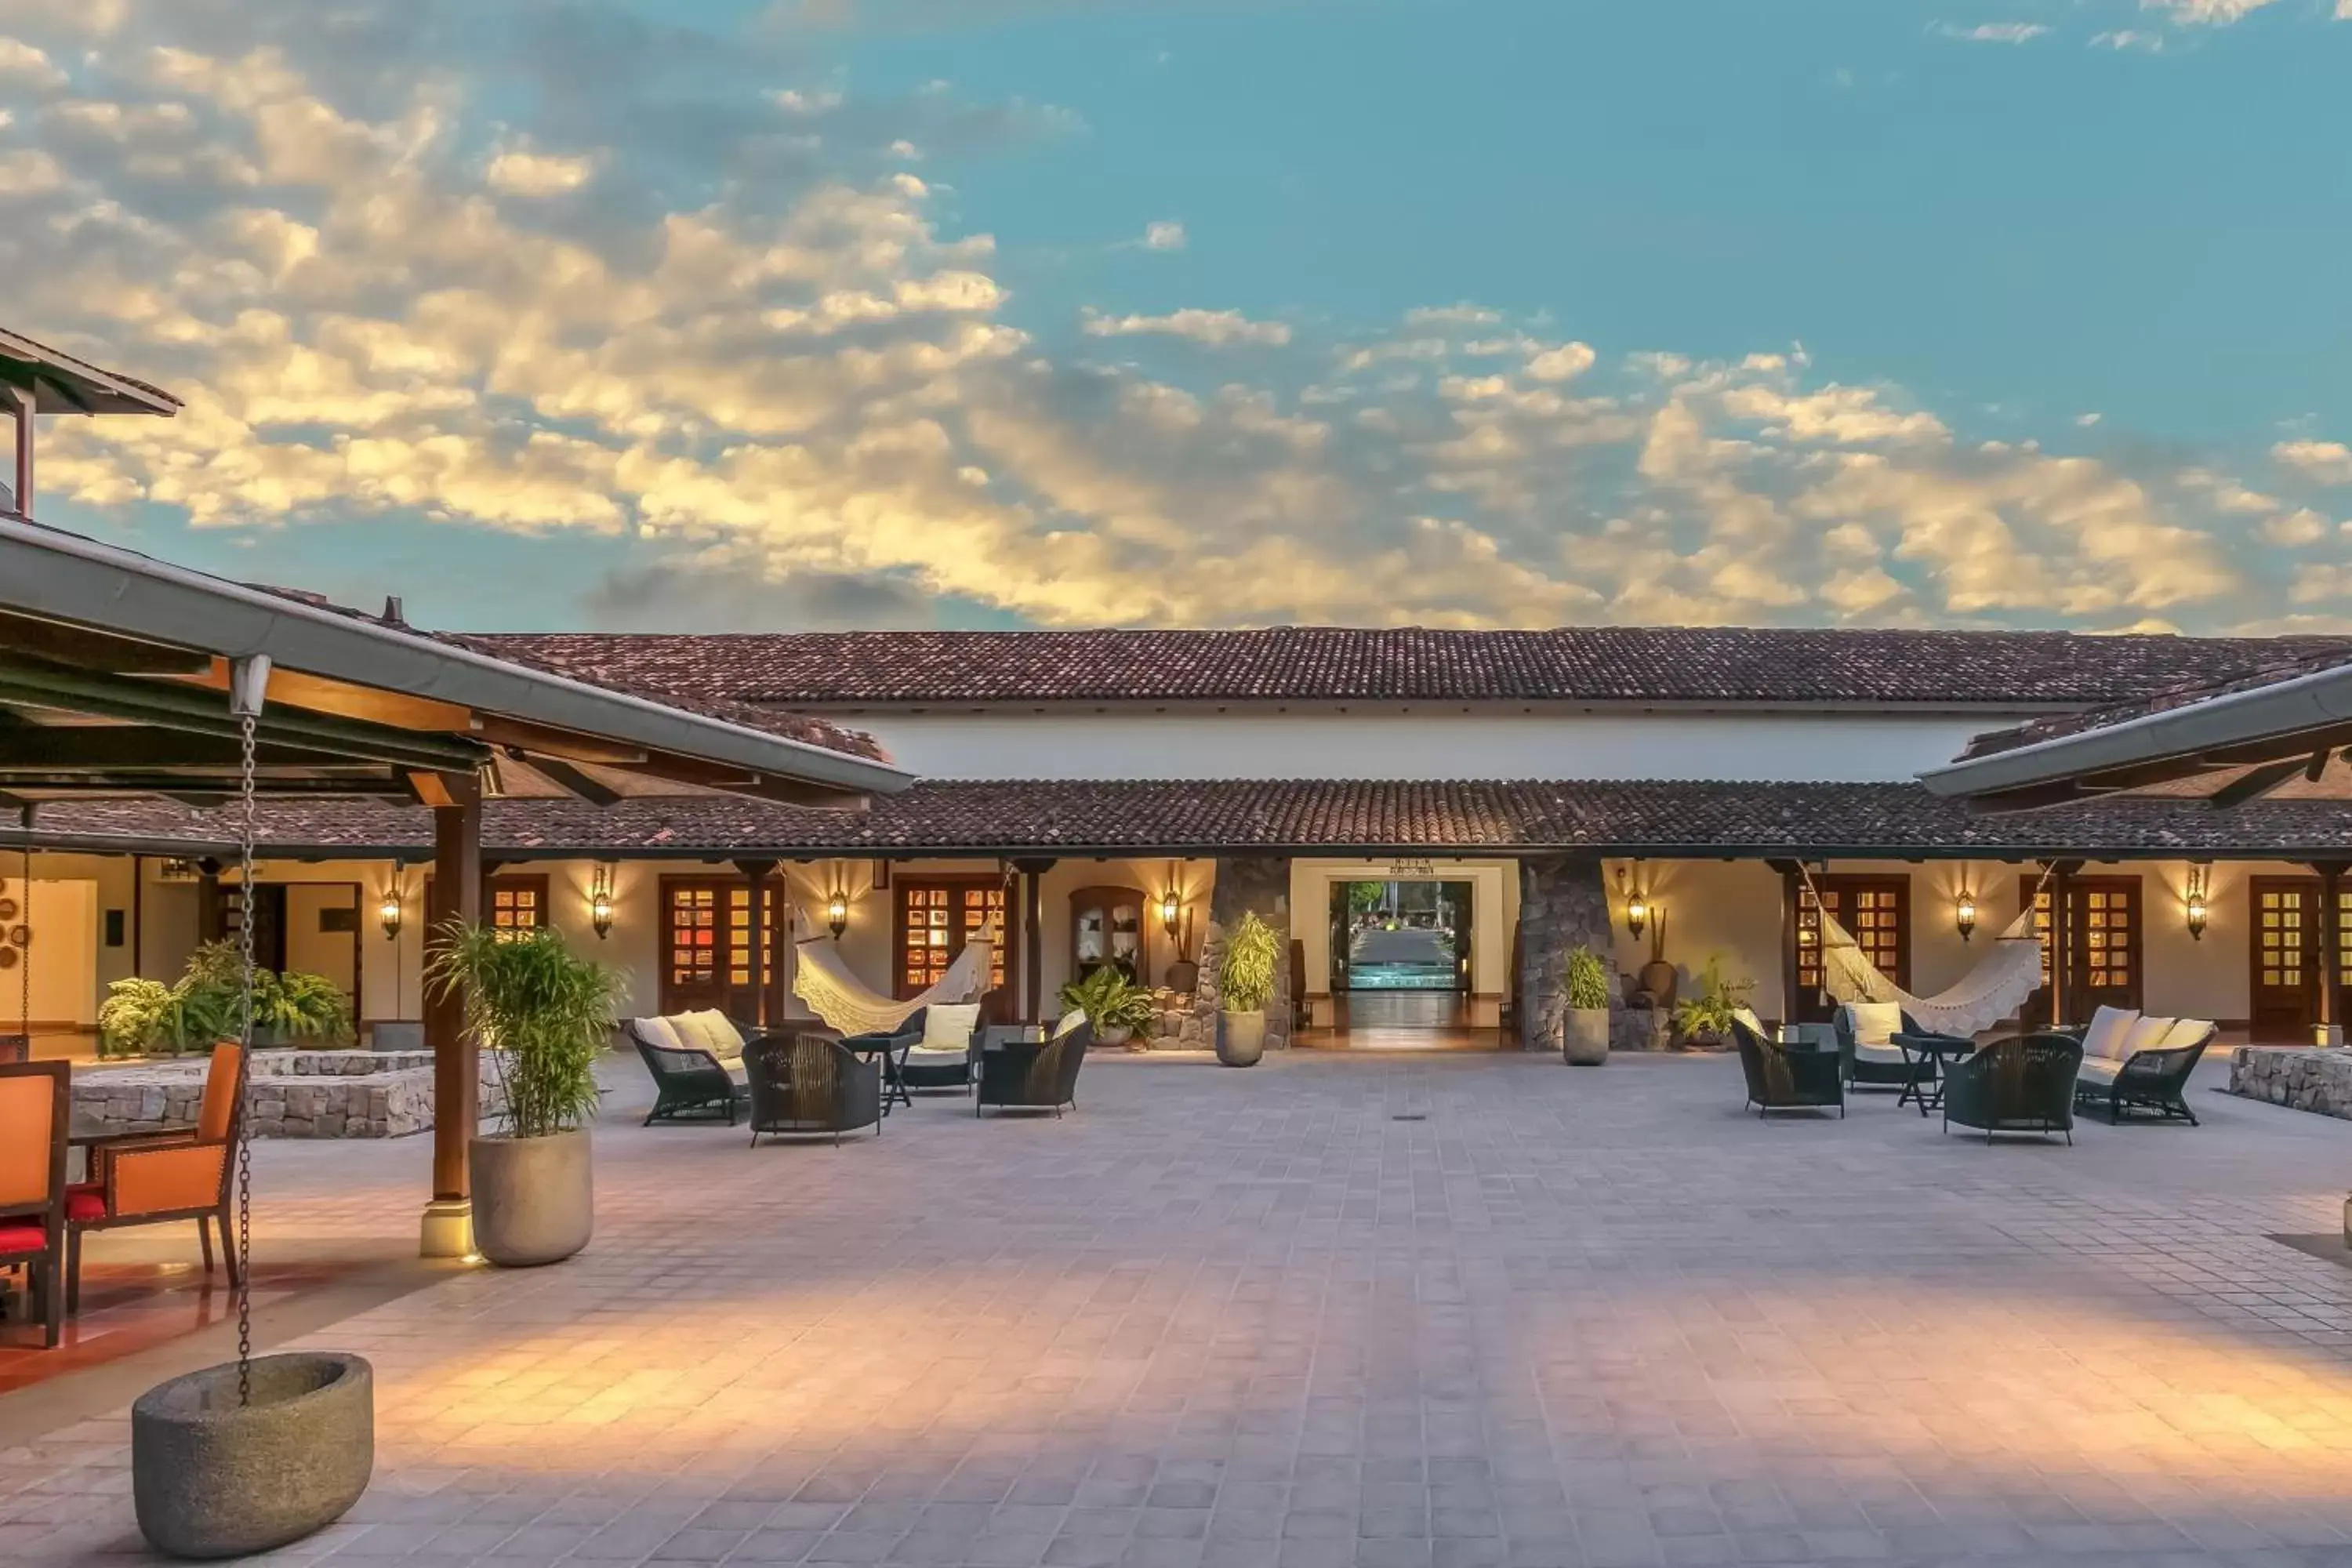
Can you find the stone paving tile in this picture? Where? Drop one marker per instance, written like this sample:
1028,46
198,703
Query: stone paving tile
1218,1320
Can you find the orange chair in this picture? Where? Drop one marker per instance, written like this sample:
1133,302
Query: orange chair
148,1178
35,1105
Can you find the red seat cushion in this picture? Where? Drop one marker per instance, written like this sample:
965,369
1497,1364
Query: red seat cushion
22,1236
86,1201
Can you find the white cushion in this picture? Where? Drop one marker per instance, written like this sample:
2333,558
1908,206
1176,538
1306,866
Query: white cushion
1880,1056
1874,1022
2110,1026
935,1055
2147,1035
709,1030
2099,1070
727,1039
2187,1032
657,1032
950,1028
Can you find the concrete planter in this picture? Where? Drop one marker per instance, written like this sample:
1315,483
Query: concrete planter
534,1198
211,1478
1241,1041
1584,1036
1116,1035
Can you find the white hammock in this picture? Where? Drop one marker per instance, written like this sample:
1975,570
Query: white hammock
1984,996
822,981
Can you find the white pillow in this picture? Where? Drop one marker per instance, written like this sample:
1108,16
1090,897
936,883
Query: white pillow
2187,1032
1069,1022
1874,1022
657,1032
727,1039
950,1028
2110,1026
2147,1035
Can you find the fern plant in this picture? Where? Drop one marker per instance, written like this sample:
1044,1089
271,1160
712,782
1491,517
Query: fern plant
1708,1016
543,1013
1588,980
131,1019
1246,979
1110,1000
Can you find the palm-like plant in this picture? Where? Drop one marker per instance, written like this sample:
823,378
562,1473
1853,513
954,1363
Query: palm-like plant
1110,1000
1246,981
543,1013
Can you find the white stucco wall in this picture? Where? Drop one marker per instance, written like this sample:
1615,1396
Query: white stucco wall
1424,744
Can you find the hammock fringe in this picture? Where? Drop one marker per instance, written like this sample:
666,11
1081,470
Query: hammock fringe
1990,992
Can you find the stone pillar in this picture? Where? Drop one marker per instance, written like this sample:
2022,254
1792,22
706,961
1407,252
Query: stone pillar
1563,905
1258,884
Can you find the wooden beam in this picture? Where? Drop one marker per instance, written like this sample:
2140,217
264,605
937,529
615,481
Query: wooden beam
2331,944
541,740
73,748
70,644
2253,785
438,790
343,700
572,781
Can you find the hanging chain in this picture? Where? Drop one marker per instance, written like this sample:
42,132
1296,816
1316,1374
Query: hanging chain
244,1283
24,958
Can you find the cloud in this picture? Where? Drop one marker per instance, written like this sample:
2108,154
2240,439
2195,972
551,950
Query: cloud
1215,328
710,594
519,172
1993,32
1164,235
2129,38
2323,462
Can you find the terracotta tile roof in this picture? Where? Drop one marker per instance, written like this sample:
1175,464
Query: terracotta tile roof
1598,664
2182,695
1653,818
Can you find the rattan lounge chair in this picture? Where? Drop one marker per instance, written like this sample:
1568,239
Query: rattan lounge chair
1782,1078
2153,1080
1031,1075
1884,1066
687,1083
2023,1085
811,1083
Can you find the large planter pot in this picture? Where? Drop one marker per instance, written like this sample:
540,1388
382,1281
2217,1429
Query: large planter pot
212,1477
534,1198
1584,1036
1241,1038
1113,1035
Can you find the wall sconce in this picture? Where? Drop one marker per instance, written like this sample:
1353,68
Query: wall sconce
1964,914
1172,910
1637,905
600,902
389,911
2198,912
837,911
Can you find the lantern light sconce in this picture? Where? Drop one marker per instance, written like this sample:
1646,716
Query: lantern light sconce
837,911
1964,914
1637,905
1172,910
600,902
2198,886
389,911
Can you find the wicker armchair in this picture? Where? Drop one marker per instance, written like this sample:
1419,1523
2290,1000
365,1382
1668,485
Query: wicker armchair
1884,1067
686,1083
1782,1078
1031,1074
2147,1080
2023,1085
809,1083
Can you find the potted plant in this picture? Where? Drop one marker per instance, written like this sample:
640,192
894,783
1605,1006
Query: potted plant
1704,1020
1584,1034
543,1015
1245,986
1115,1005
295,1006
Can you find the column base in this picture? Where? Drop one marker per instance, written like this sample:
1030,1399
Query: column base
448,1228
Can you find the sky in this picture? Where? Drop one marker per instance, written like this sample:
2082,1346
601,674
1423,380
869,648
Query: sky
800,314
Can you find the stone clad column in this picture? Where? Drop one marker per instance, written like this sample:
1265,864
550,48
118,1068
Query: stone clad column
1258,884
1563,905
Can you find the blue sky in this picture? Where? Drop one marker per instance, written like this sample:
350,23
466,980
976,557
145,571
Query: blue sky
1004,312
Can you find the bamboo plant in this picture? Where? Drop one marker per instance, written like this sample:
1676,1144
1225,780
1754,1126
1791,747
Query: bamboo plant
541,1013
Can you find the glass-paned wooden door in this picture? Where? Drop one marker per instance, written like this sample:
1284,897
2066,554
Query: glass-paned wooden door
937,917
2104,940
2282,996
706,946
1876,912
516,905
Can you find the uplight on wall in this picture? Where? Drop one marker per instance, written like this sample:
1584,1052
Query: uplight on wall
1964,914
600,902
1637,905
2199,885
389,913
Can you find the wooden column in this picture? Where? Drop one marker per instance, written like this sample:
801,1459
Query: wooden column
757,873
457,893
2062,944
211,923
2331,946
1033,936
1792,890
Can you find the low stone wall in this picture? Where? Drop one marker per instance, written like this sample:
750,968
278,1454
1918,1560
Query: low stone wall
289,1094
2313,1081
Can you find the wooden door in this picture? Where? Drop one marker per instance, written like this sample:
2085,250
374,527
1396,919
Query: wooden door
2282,938
2103,938
1876,911
705,925
936,917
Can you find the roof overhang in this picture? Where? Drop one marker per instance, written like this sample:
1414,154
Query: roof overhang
61,384
2232,748
94,639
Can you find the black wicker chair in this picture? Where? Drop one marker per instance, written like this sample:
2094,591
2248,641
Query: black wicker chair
1915,1070
2149,1080
811,1083
2022,1085
1782,1078
1031,1075
686,1083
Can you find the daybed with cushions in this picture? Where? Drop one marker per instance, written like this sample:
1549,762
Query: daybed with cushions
697,1062
2024,1085
2134,1062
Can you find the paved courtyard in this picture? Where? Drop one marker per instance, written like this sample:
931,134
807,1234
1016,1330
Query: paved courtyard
1442,1312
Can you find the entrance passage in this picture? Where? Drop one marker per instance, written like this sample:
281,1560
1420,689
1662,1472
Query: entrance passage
1400,936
